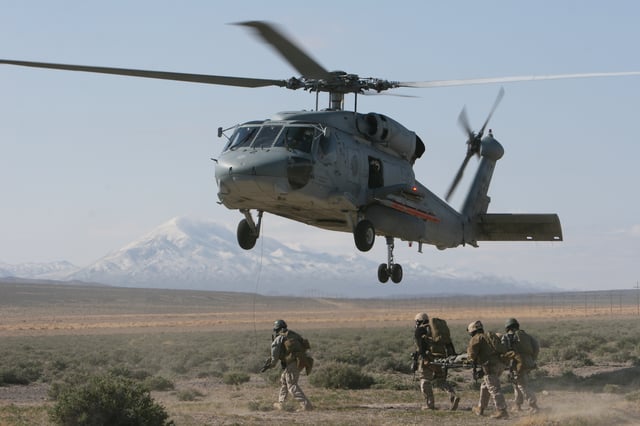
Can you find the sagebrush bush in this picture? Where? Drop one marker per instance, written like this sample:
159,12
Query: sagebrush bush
337,375
107,400
189,395
235,378
158,383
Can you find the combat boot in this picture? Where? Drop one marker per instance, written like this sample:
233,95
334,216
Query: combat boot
455,400
500,414
478,410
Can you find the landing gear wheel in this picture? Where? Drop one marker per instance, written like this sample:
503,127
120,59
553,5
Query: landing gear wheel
396,273
246,237
383,273
364,235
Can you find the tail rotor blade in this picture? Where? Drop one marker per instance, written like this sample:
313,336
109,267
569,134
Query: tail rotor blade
474,140
458,177
493,109
463,120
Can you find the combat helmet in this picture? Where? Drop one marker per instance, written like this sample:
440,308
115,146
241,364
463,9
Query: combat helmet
422,318
474,326
512,323
279,325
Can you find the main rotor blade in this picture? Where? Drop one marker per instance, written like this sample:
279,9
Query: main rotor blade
293,54
468,82
456,180
162,75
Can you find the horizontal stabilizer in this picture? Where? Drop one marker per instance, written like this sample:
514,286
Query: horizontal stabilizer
518,227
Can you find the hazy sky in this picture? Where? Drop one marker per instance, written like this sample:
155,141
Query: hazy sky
91,162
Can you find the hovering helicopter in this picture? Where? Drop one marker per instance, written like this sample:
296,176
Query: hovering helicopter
347,171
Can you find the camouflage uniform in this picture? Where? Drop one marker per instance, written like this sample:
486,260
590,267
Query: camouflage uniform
290,371
525,351
481,352
431,375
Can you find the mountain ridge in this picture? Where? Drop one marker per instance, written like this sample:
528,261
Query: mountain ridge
185,253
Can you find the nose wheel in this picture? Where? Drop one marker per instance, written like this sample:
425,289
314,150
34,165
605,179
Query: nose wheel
390,269
248,230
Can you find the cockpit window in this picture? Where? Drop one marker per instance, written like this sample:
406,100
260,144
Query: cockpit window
298,138
242,137
266,137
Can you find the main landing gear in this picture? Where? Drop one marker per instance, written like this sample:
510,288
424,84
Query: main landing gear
248,230
364,236
389,269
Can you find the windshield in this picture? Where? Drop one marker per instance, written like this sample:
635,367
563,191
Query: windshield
242,137
266,136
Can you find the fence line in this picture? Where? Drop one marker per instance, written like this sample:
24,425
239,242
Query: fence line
612,303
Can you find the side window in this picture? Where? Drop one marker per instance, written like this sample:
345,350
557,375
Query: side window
266,136
376,179
298,138
242,137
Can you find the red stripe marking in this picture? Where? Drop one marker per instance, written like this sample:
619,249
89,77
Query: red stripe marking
414,212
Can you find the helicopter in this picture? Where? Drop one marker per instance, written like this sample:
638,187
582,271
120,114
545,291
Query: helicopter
348,171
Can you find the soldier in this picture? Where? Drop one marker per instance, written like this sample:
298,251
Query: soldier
430,374
485,350
289,348
525,352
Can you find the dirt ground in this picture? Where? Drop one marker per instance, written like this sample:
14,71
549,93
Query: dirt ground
224,405
34,311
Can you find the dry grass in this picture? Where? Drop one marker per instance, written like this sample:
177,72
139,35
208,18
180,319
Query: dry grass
43,309
134,316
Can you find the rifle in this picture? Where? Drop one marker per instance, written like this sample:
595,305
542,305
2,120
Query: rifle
478,373
415,356
266,366
512,375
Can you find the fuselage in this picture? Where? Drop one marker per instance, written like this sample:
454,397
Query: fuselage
330,169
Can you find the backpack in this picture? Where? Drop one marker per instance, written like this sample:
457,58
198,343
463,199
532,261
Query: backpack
296,351
527,344
441,344
495,342
295,343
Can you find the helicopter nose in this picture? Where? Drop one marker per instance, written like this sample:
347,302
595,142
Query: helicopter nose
245,175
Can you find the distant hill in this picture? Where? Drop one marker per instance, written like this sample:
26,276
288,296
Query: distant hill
192,254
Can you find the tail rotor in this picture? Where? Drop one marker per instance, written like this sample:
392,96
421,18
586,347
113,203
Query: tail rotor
473,140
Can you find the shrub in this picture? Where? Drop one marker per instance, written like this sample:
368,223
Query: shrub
235,378
338,375
609,388
12,377
107,400
189,394
21,373
158,383
633,396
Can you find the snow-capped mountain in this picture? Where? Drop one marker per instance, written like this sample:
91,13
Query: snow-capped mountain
192,254
50,270
186,253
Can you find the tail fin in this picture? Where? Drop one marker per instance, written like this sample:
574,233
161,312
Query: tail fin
518,227
477,201
480,226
